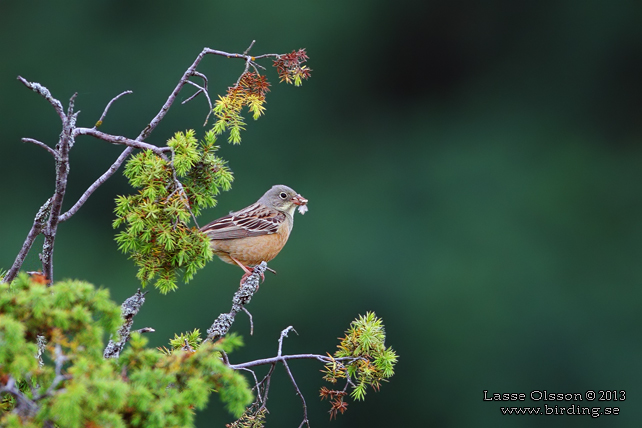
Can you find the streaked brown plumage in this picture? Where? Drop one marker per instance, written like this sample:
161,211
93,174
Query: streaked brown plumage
258,232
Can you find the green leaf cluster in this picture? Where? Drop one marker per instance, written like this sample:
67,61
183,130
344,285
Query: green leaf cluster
76,387
172,192
373,363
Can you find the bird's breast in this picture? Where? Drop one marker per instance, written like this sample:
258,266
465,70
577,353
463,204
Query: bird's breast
254,249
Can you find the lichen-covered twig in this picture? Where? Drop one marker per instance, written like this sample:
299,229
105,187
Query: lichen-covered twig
129,309
242,297
36,229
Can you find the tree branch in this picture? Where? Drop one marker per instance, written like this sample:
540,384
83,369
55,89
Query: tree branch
118,139
44,92
41,144
36,228
96,184
242,297
298,392
59,362
281,358
102,116
63,147
129,309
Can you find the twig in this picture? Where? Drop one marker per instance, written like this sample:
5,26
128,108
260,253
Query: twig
284,334
60,360
41,342
145,330
273,360
117,139
102,116
298,392
251,322
129,309
96,184
44,92
242,297
36,228
41,144
249,47
200,90
256,380
266,386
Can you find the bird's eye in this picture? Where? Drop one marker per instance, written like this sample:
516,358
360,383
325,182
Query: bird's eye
283,195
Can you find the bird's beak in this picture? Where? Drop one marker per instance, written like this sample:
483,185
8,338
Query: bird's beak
299,200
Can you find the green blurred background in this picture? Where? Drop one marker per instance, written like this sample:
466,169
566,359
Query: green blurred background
473,171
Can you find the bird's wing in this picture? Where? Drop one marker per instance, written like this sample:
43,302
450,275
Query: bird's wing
254,220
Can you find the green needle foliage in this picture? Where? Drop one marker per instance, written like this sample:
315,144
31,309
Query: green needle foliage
76,387
373,363
172,192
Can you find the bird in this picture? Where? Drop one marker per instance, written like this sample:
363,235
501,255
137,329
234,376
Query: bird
257,232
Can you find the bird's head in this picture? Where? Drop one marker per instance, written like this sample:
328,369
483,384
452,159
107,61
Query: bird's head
283,198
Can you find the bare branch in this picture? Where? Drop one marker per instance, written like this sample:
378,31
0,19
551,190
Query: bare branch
266,386
41,144
44,92
242,297
59,362
36,228
249,47
145,330
118,139
63,147
284,333
267,56
129,309
202,76
102,116
298,392
200,90
96,184
251,321
273,360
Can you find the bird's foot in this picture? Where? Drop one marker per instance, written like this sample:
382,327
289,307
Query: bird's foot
246,275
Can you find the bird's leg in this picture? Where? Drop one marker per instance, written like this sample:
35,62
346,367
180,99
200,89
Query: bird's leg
247,271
